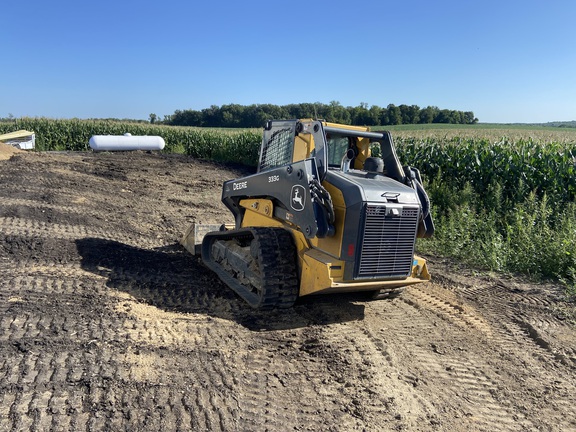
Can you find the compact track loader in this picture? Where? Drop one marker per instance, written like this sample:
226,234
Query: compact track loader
321,215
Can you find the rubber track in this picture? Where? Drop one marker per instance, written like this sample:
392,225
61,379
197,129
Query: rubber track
276,262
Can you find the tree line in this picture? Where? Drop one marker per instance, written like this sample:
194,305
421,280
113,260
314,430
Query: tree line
255,116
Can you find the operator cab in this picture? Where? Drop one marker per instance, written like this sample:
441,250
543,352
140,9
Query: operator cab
337,147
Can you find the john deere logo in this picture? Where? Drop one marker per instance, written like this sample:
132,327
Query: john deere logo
297,198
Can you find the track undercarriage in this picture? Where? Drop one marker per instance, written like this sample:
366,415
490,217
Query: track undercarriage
259,264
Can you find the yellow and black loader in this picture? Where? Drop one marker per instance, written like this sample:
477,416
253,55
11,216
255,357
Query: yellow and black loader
321,215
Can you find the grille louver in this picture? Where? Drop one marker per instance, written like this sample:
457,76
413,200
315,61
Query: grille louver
388,244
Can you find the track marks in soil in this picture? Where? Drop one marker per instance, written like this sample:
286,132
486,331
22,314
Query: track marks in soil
468,385
526,315
504,330
373,380
33,230
447,306
107,324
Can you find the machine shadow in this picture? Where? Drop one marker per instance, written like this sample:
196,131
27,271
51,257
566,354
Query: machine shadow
173,280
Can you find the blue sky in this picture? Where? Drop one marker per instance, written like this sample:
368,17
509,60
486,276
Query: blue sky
507,61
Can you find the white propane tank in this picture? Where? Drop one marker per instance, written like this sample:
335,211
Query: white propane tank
126,142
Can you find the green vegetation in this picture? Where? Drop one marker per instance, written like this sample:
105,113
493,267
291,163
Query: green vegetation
502,199
237,145
504,196
234,115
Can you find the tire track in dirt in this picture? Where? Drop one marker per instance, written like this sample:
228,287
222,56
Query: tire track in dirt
523,315
505,336
7,201
112,362
469,385
258,396
273,379
97,377
32,229
107,195
106,324
385,398
446,306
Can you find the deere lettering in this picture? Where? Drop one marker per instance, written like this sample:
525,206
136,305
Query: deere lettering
240,185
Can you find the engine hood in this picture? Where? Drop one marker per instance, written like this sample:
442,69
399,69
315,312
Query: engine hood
361,186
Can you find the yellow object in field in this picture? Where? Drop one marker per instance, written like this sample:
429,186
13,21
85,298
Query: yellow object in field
321,215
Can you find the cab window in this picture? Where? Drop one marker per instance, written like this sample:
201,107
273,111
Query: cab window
337,148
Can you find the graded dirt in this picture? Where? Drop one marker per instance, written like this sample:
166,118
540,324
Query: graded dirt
107,323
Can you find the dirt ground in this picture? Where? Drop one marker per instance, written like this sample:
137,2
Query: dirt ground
106,323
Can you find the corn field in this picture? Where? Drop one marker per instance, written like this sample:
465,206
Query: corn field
502,200
518,166
240,146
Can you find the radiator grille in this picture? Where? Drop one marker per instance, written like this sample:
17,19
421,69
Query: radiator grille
388,243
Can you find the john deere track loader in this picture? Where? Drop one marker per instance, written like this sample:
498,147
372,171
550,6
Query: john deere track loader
321,215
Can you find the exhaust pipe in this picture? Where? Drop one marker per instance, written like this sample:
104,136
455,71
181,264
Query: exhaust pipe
346,159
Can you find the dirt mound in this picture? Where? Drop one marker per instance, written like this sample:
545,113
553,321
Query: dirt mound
6,151
107,323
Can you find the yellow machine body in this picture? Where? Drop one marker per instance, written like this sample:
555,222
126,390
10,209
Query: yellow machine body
353,218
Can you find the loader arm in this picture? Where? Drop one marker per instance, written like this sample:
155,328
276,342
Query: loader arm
295,192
